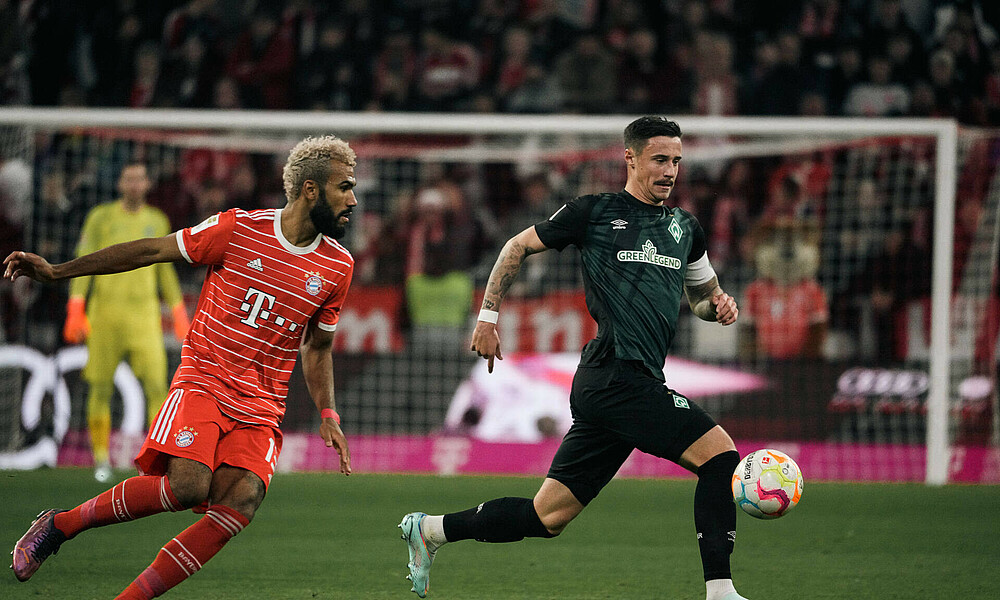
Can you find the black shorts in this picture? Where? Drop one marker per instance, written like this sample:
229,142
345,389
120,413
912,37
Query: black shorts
617,407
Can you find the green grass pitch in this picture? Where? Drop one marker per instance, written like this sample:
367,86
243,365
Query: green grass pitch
321,535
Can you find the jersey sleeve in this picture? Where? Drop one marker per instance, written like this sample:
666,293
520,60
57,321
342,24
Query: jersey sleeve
329,313
698,244
566,226
206,243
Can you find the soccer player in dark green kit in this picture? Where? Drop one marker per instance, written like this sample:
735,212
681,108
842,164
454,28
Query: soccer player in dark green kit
639,256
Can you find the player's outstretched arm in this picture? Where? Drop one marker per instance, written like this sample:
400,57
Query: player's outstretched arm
709,303
485,339
113,259
317,367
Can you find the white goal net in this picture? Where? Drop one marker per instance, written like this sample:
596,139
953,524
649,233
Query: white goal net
869,296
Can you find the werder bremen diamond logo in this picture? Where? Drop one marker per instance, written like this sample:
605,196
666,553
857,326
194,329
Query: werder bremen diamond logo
649,255
676,231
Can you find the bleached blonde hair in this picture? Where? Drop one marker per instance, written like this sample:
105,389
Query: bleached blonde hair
310,159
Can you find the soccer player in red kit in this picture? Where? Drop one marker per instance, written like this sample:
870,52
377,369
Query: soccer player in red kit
275,286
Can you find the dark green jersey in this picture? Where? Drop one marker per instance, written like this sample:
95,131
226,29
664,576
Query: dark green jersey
635,257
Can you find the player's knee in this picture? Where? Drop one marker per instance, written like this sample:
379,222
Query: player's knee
244,497
190,492
555,522
244,503
724,462
190,481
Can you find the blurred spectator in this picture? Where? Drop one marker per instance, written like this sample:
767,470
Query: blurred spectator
538,93
195,18
117,30
887,18
923,102
226,94
262,62
56,220
730,219
514,61
394,71
898,273
716,87
15,198
785,201
143,90
777,58
14,86
813,104
447,72
992,86
645,77
820,26
187,79
949,98
848,72
489,27
879,96
905,61
439,219
328,77
587,75
784,310
167,192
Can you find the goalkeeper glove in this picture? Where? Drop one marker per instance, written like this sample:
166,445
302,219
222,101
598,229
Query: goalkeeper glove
181,321
77,326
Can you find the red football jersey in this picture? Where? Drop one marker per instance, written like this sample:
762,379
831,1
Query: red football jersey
783,314
259,295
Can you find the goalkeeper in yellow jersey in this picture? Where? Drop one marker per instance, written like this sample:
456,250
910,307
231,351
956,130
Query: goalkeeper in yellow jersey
119,315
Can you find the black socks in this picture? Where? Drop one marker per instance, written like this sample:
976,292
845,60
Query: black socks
500,520
715,514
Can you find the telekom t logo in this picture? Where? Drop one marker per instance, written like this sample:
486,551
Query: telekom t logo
253,305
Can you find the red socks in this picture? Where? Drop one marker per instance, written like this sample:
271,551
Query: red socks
186,553
131,499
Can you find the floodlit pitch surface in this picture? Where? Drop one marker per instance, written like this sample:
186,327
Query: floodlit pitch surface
321,535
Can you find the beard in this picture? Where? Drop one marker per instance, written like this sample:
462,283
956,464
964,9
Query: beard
325,220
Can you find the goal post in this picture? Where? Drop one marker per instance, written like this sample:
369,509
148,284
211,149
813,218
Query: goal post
402,144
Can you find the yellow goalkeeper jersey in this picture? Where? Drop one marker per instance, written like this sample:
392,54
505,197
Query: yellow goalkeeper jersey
133,294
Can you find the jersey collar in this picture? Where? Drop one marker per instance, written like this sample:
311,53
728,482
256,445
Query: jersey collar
663,208
288,245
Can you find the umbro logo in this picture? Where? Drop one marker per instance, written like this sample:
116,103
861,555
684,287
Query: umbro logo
619,224
256,264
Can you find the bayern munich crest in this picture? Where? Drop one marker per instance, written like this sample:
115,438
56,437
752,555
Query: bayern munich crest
314,284
185,437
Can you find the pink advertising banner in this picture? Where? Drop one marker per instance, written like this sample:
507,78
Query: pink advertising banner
448,455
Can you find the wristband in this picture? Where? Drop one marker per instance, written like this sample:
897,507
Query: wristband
329,413
489,316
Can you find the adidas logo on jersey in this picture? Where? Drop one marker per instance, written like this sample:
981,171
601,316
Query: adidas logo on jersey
256,264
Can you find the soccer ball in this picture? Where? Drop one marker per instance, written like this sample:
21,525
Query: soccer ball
767,484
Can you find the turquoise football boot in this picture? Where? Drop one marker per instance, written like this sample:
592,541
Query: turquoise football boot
420,556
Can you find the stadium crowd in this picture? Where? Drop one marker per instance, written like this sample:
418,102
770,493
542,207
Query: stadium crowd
676,57
711,57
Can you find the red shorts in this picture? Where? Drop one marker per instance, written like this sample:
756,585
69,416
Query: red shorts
190,425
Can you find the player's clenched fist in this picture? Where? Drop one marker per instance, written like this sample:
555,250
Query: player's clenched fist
725,308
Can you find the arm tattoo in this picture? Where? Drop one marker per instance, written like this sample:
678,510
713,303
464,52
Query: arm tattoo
504,273
700,298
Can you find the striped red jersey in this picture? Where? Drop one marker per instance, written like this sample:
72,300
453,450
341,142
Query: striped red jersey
259,295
